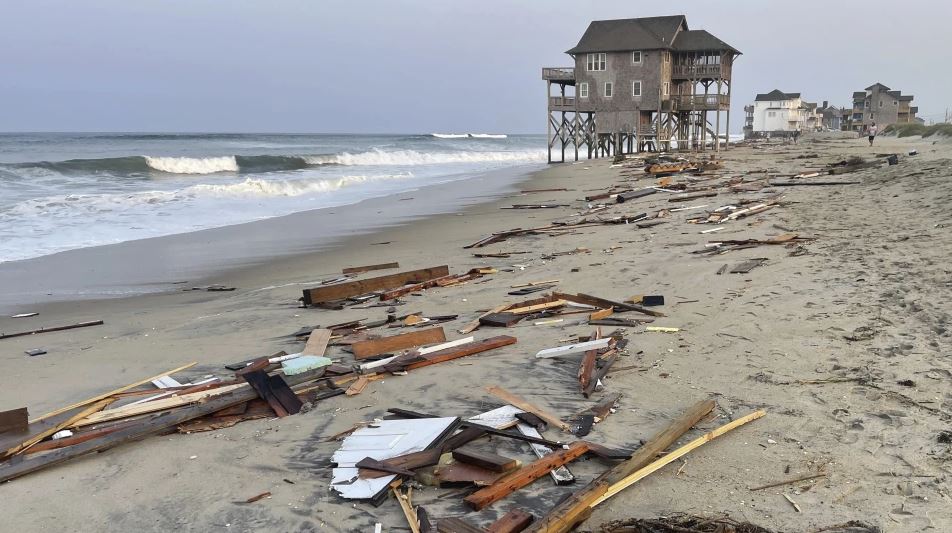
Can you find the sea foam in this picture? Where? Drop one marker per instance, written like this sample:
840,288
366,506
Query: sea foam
193,165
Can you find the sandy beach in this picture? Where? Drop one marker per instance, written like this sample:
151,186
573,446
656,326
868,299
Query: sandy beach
843,339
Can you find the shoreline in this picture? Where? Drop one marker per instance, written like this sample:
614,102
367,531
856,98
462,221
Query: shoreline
158,265
774,338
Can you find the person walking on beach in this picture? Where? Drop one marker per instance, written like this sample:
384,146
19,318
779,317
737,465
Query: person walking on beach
873,129
796,135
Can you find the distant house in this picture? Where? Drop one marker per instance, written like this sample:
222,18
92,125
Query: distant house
881,105
640,82
830,116
778,113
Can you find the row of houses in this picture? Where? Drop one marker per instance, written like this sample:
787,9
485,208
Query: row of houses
782,113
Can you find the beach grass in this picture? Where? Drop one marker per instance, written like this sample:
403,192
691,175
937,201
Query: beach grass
909,130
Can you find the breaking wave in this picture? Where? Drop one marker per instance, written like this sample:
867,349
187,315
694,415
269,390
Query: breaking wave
469,135
144,165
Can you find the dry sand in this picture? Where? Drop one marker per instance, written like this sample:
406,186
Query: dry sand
775,338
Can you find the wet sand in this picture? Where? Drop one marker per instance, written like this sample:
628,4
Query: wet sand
844,343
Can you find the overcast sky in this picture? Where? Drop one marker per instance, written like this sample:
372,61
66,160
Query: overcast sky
415,66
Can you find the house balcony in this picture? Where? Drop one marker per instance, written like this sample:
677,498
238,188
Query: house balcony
697,72
563,75
561,103
700,102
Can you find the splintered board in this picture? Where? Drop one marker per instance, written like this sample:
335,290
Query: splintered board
355,288
365,349
368,268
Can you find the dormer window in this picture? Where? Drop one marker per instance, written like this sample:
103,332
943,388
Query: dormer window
596,62
636,57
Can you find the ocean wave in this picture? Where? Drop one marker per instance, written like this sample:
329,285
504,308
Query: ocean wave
469,135
193,165
254,187
413,157
145,165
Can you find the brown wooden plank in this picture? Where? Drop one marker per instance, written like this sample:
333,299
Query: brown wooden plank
466,473
47,330
566,515
317,342
499,320
514,521
602,303
142,428
432,358
368,268
456,525
601,370
355,288
14,420
525,405
370,348
535,308
525,475
407,289
72,419
474,325
587,365
488,460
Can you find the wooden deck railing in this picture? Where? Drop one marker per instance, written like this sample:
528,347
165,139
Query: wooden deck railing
700,101
697,71
558,73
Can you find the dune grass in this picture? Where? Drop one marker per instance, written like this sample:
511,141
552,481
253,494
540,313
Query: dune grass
908,130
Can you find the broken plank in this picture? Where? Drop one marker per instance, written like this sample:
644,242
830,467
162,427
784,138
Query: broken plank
48,330
98,406
525,475
112,392
560,475
487,460
474,325
600,314
574,348
566,515
631,195
536,308
748,265
161,404
368,268
273,391
456,525
356,288
500,320
514,521
587,365
602,303
412,362
14,420
621,322
317,342
370,348
523,404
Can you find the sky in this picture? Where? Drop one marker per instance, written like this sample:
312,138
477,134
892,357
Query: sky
414,66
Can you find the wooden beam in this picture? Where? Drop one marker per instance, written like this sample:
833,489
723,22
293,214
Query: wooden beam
57,427
474,325
536,308
368,268
47,330
161,404
355,288
642,473
566,515
525,475
407,507
456,525
112,392
603,303
317,342
523,404
487,460
144,428
370,348
412,362
587,366
514,521
14,420
561,475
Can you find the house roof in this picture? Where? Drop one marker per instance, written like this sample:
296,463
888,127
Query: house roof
697,40
894,94
905,98
776,95
878,85
859,94
647,33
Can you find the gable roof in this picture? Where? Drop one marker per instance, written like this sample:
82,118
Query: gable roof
647,33
905,98
698,40
776,95
877,85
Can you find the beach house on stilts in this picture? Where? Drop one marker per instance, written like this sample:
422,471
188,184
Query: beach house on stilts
640,84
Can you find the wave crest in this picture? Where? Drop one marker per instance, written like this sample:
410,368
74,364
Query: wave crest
413,157
192,165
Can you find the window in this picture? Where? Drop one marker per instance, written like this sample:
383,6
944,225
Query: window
596,62
636,58
771,113
665,89
583,90
608,89
880,103
636,88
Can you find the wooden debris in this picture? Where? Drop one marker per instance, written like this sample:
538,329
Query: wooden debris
580,347
474,325
456,525
789,481
55,427
358,386
112,392
661,329
274,390
807,183
489,461
500,320
621,322
600,314
370,348
14,420
525,475
356,288
536,308
560,475
514,521
460,472
602,303
631,195
748,265
587,365
534,283
48,330
642,473
368,268
523,404
317,342
257,497
566,515
414,361
793,503
137,409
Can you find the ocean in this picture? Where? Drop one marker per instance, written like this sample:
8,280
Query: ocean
66,191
